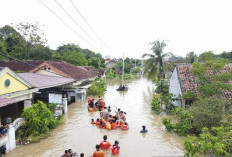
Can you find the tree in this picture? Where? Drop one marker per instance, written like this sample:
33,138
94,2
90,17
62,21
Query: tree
95,62
127,66
67,48
210,78
191,57
206,56
154,65
2,49
75,58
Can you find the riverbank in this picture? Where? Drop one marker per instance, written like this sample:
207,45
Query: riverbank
76,130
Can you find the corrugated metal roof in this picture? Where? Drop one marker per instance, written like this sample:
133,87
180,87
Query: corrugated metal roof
6,101
45,81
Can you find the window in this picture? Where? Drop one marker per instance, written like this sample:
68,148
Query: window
7,83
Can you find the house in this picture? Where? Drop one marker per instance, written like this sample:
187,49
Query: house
52,68
111,64
15,94
182,81
51,89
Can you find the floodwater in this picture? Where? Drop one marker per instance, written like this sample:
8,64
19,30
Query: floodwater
77,133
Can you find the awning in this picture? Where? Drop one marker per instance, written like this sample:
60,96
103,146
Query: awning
6,101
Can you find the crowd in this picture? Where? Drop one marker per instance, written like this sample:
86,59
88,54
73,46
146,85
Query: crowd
107,120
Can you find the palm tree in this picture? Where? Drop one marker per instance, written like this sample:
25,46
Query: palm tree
154,65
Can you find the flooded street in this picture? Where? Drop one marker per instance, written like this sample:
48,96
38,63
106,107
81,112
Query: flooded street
77,133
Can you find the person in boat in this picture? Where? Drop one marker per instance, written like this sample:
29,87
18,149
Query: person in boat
92,121
97,122
102,124
125,126
66,154
105,114
98,152
115,148
89,100
91,104
117,113
114,125
105,144
109,109
111,118
82,155
144,129
122,118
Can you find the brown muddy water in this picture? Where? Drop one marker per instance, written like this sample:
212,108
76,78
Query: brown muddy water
77,133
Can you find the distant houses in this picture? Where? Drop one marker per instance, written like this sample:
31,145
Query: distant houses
22,83
182,81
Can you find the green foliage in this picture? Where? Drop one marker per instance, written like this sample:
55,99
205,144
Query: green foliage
95,62
208,112
215,84
39,119
127,66
191,57
183,126
111,74
52,107
97,87
165,86
136,70
126,76
167,122
156,103
188,95
75,58
218,142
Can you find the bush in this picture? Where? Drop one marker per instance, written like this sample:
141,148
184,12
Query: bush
97,87
165,86
218,142
156,103
136,70
167,123
39,119
52,107
111,74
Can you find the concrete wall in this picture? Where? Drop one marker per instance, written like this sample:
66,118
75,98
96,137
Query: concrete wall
174,87
110,65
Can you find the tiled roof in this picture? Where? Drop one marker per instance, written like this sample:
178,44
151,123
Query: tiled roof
188,84
17,65
92,70
44,81
76,72
6,101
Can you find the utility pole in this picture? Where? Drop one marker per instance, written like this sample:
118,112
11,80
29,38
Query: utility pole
122,68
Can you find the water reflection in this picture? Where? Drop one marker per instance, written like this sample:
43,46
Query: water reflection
77,133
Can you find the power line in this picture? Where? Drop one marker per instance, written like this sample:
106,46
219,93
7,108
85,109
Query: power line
82,16
63,21
74,20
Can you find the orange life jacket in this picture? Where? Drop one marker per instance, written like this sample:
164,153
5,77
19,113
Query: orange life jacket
114,126
99,153
97,122
105,145
125,127
115,150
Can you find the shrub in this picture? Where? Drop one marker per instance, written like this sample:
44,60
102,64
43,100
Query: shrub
39,119
97,87
156,103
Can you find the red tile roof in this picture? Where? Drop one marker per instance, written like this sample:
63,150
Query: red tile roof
188,84
44,81
67,70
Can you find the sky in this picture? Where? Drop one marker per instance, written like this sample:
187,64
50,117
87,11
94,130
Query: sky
128,26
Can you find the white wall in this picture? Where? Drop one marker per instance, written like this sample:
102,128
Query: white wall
174,87
46,72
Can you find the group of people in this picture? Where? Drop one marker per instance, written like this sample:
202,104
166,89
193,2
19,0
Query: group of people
105,145
70,153
109,121
94,106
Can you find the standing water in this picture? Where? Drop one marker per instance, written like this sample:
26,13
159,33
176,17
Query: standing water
79,135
